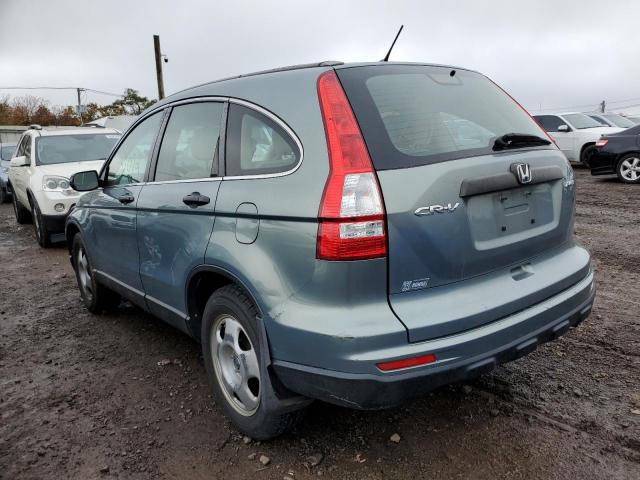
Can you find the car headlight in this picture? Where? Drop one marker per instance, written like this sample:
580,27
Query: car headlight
56,184
569,178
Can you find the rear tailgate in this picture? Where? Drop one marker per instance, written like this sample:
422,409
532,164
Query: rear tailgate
463,228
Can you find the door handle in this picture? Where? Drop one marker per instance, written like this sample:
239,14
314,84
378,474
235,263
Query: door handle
195,199
125,198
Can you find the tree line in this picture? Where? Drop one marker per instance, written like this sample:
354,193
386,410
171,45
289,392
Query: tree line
31,109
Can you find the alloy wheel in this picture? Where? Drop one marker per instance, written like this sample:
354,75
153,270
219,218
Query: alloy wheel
630,169
84,273
236,365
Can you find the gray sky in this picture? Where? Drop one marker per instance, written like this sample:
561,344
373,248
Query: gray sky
545,53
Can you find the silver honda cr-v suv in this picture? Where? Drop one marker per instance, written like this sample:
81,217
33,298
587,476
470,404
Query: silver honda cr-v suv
355,233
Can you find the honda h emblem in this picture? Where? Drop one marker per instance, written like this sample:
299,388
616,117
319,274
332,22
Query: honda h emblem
522,171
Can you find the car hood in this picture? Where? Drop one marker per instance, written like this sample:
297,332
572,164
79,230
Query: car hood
602,130
68,169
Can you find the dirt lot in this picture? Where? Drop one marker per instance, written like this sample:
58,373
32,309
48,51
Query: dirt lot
84,396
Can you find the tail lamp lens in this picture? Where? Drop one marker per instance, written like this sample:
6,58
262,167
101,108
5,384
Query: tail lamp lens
351,216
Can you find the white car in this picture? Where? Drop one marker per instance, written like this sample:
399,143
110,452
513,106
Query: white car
39,173
575,134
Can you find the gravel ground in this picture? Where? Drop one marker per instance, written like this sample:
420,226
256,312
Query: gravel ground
84,396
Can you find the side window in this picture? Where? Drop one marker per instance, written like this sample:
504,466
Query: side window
190,142
23,142
27,147
550,122
130,162
256,145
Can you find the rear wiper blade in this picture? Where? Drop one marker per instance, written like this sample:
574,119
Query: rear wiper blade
518,140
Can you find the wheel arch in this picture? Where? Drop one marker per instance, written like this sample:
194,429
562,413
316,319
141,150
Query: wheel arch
70,231
585,146
624,154
201,283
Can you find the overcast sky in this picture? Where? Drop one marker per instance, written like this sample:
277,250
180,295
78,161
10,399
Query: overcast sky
546,53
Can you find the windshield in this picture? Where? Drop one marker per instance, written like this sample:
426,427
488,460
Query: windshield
580,121
619,120
6,152
414,115
74,148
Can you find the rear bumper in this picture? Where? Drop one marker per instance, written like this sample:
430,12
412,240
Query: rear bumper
460,357
603,163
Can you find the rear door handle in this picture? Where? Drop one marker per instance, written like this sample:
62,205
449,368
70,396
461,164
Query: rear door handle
195,199
125,198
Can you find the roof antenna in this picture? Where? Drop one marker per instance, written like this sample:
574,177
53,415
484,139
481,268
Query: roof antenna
386,57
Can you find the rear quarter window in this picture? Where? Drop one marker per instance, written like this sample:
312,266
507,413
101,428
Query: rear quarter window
414,115
257,145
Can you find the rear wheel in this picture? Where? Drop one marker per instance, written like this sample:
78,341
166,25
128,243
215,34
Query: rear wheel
22,214
628,168
587,153
96,297
231,349
42,234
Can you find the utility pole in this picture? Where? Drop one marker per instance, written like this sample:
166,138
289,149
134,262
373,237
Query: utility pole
156,46
80,90
602,105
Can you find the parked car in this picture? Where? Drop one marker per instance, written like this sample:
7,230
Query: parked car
118,122
611,120
619,154
575,133
40,169
6,152
354,233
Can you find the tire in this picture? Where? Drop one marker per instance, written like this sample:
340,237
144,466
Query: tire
43,236
3,195
586,154
628,168
231,349
23,215
96,297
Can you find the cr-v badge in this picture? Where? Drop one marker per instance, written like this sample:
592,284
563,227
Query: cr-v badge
431,209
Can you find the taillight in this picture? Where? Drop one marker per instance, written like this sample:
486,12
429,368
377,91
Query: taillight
351,216
602,142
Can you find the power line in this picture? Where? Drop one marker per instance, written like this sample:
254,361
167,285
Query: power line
104,93
592,106
64,88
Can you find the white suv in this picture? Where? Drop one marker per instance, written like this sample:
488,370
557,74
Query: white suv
40,169
575,134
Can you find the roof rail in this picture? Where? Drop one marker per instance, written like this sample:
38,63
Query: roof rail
35,126
326,63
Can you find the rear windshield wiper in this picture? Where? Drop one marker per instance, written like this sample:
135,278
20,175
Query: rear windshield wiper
518,140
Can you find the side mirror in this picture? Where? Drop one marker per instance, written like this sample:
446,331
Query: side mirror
19,162
84,181
564,128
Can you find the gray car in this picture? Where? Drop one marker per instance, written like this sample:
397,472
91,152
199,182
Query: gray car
6,152
354,233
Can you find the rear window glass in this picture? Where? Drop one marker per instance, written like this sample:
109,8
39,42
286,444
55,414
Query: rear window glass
415,115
